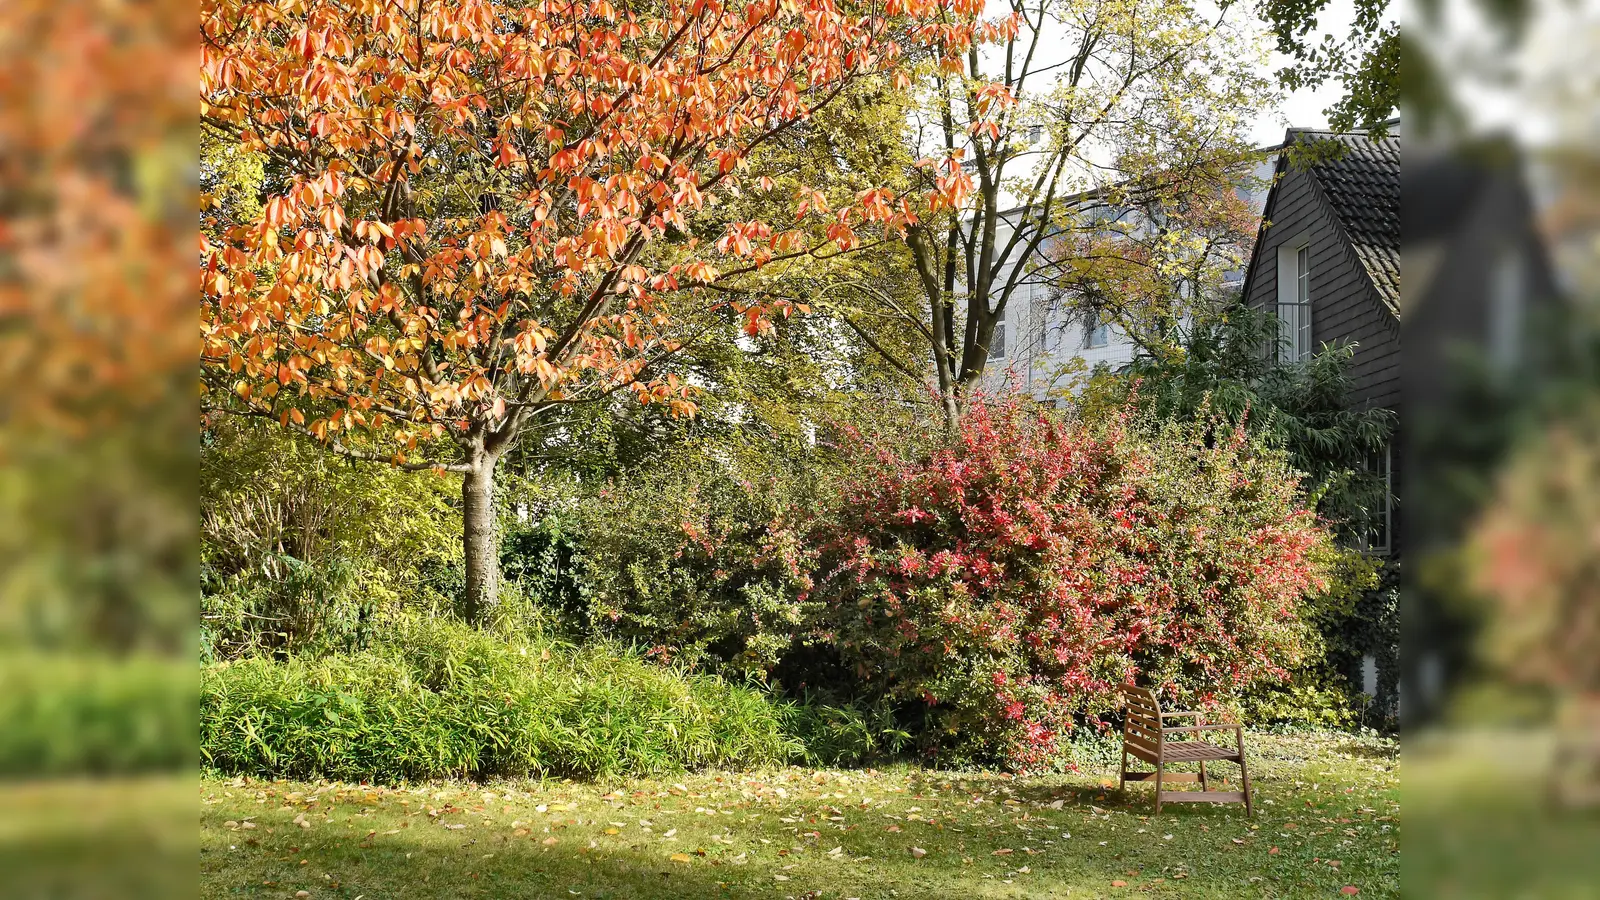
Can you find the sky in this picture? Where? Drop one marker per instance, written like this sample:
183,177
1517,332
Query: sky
1304,108
1301,109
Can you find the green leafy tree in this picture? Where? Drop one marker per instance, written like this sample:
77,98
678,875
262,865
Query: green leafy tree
1365,60
1078,109
1223,368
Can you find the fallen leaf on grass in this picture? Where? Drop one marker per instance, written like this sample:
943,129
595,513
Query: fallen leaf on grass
682,857
1350,890
1119,883
918,852
550,842
1273,852
1006,851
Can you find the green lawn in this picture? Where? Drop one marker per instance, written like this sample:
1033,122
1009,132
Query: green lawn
1481,824
1327,817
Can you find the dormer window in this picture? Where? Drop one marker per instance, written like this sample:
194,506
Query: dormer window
1294,302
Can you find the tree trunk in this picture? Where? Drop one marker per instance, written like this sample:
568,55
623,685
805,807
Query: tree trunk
952,410
478,538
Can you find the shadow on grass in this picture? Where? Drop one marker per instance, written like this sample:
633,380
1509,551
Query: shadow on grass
1369,750
87,839
424,864
426,860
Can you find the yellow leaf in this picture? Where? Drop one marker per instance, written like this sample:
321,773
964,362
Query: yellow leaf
681,857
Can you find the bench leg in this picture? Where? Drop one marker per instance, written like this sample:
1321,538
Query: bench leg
1244,776
1122,774
1204,786
1159,767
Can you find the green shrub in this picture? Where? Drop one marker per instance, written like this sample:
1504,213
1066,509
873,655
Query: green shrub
845,734
695,557
440,700
303,553
1313,698
81,714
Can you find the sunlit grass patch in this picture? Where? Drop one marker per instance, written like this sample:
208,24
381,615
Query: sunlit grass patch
1327,818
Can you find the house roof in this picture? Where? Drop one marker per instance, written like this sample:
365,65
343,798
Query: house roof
1362,187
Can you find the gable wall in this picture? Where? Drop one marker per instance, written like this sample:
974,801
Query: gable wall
1344,305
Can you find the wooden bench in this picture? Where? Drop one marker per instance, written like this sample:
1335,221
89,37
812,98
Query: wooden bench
1145,734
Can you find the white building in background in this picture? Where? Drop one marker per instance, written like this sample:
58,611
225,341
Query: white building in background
1041,348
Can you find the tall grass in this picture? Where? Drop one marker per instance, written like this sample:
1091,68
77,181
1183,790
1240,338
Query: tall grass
79,714
437,700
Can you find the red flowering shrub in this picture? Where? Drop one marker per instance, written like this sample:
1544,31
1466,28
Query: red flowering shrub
1012,579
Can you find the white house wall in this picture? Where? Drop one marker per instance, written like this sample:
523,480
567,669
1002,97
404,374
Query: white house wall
1029,366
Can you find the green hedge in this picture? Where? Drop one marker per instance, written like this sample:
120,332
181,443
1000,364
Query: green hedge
77,714
442,700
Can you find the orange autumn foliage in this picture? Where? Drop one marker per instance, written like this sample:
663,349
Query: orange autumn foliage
477,213
468,200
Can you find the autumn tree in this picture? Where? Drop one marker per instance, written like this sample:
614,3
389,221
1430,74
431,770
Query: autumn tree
96,344
1076,109
476,213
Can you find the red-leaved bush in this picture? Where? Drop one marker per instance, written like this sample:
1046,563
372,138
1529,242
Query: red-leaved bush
1013,578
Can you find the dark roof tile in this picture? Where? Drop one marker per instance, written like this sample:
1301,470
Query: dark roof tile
1363,188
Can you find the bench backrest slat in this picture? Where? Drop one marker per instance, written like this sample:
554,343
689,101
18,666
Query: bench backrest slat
1144,714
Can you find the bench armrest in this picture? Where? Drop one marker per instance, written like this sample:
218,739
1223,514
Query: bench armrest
1220,726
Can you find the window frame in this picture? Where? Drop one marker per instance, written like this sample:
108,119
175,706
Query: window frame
1293,308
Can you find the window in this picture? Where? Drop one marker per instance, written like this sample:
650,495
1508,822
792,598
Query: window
1294,303
997,340
1052,331
1380,528
1096,333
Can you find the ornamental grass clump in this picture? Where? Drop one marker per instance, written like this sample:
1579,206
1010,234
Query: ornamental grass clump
1008,581
443,700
